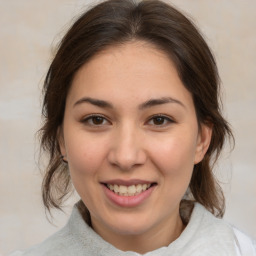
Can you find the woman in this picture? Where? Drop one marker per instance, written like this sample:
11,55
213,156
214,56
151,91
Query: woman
133,122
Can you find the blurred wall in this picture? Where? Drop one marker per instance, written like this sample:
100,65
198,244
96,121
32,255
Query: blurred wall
29,32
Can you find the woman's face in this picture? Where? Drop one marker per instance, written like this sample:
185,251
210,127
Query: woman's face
131,139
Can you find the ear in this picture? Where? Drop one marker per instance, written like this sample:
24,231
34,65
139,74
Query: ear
203,141
61,141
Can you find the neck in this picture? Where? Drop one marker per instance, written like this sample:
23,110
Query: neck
155,238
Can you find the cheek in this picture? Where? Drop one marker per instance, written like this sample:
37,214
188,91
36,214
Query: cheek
85,157
174,156
174,159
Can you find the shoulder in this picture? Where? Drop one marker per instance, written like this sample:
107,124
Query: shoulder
75,239
207,230
17,253
244,244
63,242
53,245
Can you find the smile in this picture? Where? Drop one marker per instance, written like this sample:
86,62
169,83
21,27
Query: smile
128,193
132,190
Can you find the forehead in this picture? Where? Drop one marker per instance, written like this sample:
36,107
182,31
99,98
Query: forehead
135,70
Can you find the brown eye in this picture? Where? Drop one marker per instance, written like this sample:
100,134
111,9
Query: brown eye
159,120
95,120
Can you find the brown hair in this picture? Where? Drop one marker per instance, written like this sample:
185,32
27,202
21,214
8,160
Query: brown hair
117,22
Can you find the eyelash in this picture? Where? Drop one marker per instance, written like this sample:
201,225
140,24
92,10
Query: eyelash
90,117
165,118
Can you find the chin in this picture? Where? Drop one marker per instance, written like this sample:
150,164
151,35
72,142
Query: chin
130,225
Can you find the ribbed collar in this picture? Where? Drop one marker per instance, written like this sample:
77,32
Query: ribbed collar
203,234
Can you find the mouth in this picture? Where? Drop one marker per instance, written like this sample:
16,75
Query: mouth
131,190
128,193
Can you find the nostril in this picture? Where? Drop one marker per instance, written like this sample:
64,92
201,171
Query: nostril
126,156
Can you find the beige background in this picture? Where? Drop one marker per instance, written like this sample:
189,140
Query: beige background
30,30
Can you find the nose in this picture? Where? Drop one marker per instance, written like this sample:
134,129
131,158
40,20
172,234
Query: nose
127,150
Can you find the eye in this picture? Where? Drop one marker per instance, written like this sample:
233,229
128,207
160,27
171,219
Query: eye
160,120
95,120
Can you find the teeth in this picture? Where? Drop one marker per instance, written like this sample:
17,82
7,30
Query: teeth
131,189
128,190
123,189
116,188
139,188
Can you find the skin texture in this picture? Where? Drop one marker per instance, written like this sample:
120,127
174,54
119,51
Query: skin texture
129,142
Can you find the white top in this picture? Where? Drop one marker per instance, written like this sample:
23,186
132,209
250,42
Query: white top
204,235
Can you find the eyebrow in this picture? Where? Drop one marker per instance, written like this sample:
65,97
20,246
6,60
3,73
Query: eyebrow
149,103
160,101
96,102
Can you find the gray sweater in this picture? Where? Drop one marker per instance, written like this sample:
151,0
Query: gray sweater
204,235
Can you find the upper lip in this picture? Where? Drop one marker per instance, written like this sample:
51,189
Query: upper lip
127,182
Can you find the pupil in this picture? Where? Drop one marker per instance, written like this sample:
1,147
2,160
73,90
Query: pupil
158,120
97,120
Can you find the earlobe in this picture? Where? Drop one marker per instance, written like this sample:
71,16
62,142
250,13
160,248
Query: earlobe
203,142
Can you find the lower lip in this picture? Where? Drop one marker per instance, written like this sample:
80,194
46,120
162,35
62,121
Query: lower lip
128,201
